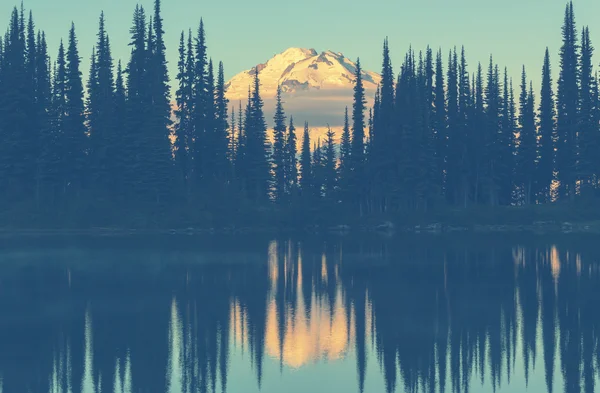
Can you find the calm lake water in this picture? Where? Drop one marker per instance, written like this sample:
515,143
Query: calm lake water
243,315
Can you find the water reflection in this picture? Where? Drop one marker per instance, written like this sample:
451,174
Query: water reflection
418,316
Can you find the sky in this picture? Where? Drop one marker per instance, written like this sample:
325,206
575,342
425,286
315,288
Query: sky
244,33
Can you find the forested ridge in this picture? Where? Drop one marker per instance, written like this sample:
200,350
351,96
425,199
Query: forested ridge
443,135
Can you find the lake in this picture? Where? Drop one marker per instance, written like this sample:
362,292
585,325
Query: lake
497,313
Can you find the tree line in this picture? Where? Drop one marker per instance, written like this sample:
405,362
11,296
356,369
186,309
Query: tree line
112,149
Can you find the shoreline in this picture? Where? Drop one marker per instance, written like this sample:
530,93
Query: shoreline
386,228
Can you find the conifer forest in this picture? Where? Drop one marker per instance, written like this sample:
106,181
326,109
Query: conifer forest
443,134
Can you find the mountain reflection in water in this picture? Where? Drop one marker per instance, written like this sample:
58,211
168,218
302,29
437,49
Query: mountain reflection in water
363,315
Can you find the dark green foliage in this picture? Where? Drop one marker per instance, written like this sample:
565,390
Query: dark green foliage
588,131
345,159
257,171
200,114
546,130
357,156
306,173
101,118
329,167
74,143
183,118
279,133
567,101
358,121
438,124
221,141
525,169
109,155
318,161
382,140
291,162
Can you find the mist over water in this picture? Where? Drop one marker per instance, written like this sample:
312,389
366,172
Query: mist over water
419,314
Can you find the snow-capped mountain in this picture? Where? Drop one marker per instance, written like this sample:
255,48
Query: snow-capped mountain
316,86
300,70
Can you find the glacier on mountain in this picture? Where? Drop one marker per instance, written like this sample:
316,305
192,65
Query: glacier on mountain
300,70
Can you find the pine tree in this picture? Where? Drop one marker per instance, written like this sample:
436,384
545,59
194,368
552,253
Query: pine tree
15,171
137,90
306,173
381,164
438,119
345,146
567,104
291,161
505,140
257,158
588,130
431,189
182,114
221,141
48,155
329,164
201,97
159,170
317,170
279,132
208,153
233,139
345,160
358,137
100,111
453,124
358,120
119,129
526,152
546,126
494,136
74,142
458,139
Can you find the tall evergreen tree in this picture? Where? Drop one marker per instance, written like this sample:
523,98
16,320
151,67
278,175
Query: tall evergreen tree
318,170
526,152
221,140
567,105
201,97
546,127
209,155
159,171
133,136
182,114
306,174
48,154
438,122
16,173
345,146
345,159
74,142
381,164
257,157
329,164
358,137
119,129
103,138
291,160
279,132
494,137
358,120
588,131
453,125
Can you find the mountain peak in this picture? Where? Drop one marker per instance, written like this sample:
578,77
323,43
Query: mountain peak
293,51
300,70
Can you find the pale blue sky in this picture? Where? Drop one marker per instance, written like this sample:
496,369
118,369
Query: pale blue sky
244,33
